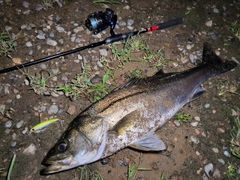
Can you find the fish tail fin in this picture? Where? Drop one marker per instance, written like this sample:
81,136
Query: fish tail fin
218,65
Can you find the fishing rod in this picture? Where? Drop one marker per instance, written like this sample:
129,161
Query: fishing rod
97,22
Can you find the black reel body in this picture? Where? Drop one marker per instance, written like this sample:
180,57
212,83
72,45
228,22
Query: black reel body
99,21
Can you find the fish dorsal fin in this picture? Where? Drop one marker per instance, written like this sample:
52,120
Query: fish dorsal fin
127,84
150,142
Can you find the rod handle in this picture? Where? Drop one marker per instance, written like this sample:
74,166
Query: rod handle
167,24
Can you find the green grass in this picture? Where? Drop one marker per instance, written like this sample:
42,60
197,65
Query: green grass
235,28
105,3
11,167
231,171
7,45
81,86
38,81
235,138
182,117
134,73
87,174
135,49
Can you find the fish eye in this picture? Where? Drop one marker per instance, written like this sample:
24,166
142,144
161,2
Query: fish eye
62,147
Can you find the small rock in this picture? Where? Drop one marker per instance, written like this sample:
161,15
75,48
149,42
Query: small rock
209,23
221,130
51,42
25,4
207,106
8,28
39,7
78,29
215,10
130,22
71,110
221,161
103,52
194,124
29,44
17,60
8,124
215,150
194,139
208,169
216,174
60,29
226,153
127,7
19,124
177,123
14,143
53,109
197,118
122,23
30,150
105,161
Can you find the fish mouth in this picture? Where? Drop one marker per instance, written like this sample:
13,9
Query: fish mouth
54,166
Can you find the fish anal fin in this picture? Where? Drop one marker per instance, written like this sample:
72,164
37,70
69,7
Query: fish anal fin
150,142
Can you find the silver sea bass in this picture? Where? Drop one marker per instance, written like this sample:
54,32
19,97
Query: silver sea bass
130,115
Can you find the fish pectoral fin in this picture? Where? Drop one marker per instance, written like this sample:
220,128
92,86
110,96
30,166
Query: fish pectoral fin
198,92
149,143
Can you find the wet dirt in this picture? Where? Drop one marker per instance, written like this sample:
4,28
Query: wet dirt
183,158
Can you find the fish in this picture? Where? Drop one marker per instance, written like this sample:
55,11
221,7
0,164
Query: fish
130,115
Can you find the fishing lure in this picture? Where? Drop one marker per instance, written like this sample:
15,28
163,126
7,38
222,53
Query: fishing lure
37,128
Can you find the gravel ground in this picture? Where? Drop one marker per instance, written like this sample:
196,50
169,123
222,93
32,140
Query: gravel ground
197,149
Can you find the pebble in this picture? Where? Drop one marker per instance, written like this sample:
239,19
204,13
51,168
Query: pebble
25,4
122,23
41,66
208,169
103,52
130,22
30,52
216,174
177,123
194,139
30,150
197,118
8,28
127,7
209,23
19,124
18,96
207,106
78,29
194,124
226,153
8,124
221,130
29,44
221,161
105,161
71,110
14,143
17,60
215,150
60,29
215,10
51,42
53,109
191,58
39,7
